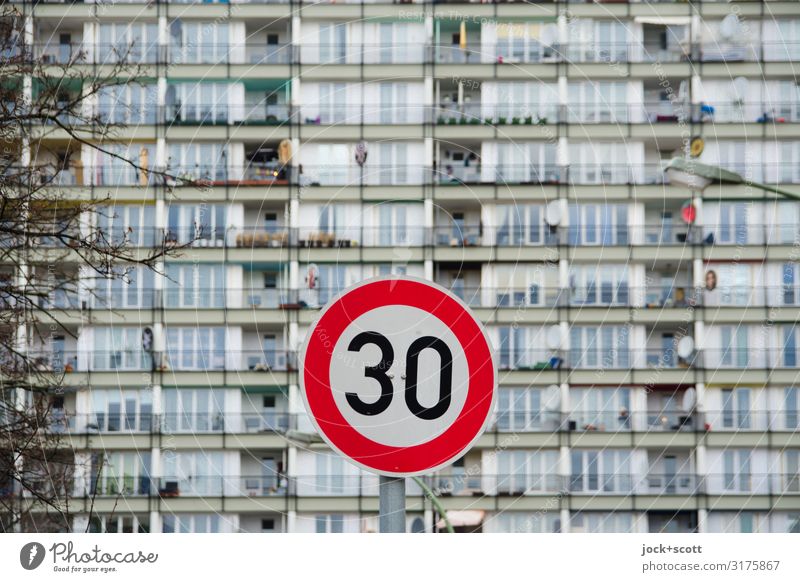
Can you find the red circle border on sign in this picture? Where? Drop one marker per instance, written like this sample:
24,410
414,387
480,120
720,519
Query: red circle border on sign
315,377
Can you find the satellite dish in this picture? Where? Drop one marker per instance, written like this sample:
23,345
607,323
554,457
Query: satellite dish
685,347
740,85
551,398
549,34
696,146
361,153
552,214
689,400
147,339
312,276
683,92
729,27
554,338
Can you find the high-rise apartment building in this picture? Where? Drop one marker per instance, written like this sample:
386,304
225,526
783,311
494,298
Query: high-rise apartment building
512,152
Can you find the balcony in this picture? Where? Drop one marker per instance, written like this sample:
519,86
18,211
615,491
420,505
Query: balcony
217,114
170,423
367,114
367,54
135,360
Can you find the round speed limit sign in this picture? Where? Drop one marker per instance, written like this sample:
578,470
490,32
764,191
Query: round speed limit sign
398,376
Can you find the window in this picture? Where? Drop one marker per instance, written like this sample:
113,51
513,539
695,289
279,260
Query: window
119,348
196,348
784,99
736,467
330,282
198,42
523,348
736,408
731,227
123,165
520,409
603,163
131,104
791,468
601,522
599,347
791,337
532,102
791,406
524,522
595,471
127,42
739,522
115,410
734,285
734,350
332,100
120,474
194,410
394,227
605,285
598,224
393,166
520,472
196,285
522,225
599,102
601,409
522,163
128,288
202,225
198,161
523,42
597,41
131,224
329,523
330,476
197,473
198,102
195,523
394,105
119,524
332,43
782,40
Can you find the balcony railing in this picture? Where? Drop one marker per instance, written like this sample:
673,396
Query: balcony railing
476,52
131,360
528,421
446,173
364,485
603,294
134,422
467,236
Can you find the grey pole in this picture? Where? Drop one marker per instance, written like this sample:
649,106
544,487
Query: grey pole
392,504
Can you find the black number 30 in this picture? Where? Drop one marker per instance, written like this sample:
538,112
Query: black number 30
380,373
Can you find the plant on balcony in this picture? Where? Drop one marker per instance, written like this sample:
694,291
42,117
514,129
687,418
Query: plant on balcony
39,213
529,120
515,121
501,121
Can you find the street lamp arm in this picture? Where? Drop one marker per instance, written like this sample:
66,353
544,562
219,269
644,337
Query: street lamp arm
698,176
775,189
436,503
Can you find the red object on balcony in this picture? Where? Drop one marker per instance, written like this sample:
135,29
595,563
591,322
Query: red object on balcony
689,213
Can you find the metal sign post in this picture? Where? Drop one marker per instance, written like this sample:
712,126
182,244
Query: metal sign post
392,504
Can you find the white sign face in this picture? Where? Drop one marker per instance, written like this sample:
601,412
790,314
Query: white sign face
398,376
